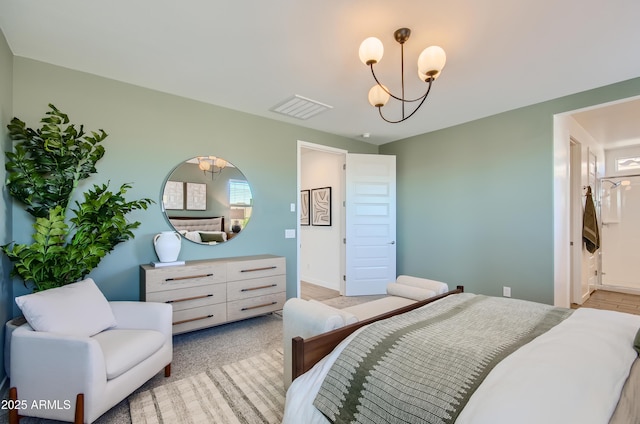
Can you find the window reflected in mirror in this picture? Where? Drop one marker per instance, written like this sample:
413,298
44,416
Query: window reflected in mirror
207,200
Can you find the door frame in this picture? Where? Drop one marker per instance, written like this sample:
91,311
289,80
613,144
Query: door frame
575,240
340,219
564,127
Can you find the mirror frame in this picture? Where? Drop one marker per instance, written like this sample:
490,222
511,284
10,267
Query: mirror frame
196,200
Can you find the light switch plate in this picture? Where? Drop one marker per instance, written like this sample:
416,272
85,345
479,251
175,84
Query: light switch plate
289,233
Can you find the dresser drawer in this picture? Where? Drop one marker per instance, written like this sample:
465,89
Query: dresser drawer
209,292
194,318
245,308
255,268
244,289
191,297
175,277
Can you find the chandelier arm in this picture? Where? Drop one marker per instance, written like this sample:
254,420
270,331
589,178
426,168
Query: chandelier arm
396,97
385,119
404,118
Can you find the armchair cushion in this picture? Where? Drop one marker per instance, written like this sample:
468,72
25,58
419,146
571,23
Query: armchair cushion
124,349
77,309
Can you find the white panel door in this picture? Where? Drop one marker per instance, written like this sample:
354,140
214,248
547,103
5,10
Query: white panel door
370,223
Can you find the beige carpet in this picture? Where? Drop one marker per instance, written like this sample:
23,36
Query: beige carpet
247,391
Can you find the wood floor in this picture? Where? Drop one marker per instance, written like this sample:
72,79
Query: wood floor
313,291
613,301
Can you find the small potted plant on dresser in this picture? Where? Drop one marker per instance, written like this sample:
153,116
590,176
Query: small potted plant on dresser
43,171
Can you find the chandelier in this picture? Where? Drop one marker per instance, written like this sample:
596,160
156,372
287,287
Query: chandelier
212,165
430,63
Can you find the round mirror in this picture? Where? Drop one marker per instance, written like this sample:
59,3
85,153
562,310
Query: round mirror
207,200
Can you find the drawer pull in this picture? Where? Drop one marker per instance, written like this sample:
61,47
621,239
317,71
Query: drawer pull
259,287
258,306
192,319
188,277
189,298
258,269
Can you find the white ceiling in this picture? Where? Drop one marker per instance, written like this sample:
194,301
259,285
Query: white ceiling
251,55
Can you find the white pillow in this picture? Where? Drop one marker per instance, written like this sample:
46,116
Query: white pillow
77,309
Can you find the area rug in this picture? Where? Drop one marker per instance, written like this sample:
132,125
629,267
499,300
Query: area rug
247,391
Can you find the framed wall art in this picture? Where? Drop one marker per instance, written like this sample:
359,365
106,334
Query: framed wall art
304,207
196,197
321,206
173,195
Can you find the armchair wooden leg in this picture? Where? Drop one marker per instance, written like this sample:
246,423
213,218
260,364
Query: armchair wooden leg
14,417
167,370
79,417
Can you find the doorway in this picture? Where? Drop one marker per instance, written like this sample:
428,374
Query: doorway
583,169
601,128
321,251
358,259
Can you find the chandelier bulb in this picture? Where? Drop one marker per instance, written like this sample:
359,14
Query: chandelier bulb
431,61
220,163
371,51
378,97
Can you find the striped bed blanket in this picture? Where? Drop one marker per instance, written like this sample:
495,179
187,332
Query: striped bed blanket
423,366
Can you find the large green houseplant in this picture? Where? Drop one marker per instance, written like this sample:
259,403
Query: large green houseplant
43,172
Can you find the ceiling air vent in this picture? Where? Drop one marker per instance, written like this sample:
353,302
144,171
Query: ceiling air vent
300,107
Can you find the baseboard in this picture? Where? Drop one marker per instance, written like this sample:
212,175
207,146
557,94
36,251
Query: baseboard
618,289
325,284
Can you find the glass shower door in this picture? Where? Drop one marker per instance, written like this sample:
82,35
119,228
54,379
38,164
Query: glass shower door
620,235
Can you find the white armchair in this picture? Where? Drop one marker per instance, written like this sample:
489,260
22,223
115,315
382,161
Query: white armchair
77,377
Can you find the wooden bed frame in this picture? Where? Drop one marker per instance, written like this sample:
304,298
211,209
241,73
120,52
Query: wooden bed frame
307,352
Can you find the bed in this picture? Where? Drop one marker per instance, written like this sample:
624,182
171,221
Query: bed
553,365
204,230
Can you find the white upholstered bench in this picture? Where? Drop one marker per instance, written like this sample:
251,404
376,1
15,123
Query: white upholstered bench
307,318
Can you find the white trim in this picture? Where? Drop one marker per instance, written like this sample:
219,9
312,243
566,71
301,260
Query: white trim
617,289
561,210
600,105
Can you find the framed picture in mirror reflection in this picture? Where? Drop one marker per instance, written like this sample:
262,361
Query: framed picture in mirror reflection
196,197
173,195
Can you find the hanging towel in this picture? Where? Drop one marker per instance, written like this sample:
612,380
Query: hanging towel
590,233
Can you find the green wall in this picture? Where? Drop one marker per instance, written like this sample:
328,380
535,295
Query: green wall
149,134
475,201
6,111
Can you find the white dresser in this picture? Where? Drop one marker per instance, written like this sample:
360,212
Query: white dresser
210,292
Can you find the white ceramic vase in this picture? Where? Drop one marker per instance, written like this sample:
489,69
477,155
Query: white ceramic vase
167,245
